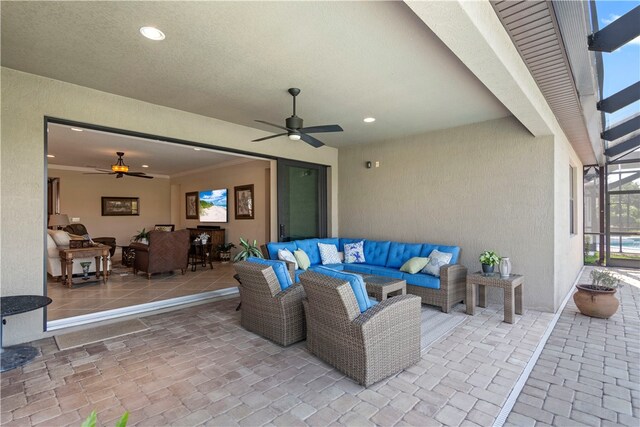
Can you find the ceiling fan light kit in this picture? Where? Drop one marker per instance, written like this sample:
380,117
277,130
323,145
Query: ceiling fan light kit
294,127
119,169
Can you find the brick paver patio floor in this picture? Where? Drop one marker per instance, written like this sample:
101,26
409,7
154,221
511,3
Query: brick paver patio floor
198,366
589,370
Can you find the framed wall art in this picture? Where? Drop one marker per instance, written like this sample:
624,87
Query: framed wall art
120,206
191,201
244,201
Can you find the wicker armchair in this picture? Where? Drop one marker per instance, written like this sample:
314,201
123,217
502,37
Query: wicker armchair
369,346
266,309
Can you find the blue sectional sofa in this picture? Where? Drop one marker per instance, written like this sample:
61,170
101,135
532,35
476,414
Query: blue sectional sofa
384,258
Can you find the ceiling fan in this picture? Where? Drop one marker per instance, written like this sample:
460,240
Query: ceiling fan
294,129
119,169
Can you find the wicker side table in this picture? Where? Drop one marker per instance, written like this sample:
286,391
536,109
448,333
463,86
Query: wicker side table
511,285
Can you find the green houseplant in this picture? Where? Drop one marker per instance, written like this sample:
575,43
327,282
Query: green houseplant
598,299
247,250
225,251
142,236
489,259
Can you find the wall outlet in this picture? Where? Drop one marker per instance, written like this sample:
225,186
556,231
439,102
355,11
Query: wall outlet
377,164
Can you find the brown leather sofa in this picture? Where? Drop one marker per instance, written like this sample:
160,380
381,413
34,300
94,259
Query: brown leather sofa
166,251
81,230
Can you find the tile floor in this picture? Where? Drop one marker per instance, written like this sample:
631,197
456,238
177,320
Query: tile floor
197,366
589,370
124,289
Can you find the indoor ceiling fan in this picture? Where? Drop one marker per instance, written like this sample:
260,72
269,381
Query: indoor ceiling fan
119,169
294,129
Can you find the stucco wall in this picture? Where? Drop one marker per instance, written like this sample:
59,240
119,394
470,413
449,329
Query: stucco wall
484,186
81,197
26,100
568,247
229,177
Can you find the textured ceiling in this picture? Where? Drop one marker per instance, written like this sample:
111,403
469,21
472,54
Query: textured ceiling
95,149
235,60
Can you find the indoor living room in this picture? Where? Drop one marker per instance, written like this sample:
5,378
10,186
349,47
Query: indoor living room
162,189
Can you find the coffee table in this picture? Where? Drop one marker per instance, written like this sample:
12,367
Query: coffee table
381,287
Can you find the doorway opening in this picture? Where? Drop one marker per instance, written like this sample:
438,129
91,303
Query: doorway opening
95,202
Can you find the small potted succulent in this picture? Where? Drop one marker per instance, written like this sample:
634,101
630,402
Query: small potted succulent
598,299
248,250
225,252
489,259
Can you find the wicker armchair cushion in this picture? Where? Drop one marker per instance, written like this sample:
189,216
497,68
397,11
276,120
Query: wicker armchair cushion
279,268
356,282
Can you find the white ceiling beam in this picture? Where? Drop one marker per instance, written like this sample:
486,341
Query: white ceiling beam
473,32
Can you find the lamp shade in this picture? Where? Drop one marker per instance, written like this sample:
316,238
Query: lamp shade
58,220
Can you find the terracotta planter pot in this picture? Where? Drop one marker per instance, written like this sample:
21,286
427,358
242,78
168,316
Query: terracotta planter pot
596,303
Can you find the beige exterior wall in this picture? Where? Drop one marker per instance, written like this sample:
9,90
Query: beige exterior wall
484,186
568,247
26,100
228,177
80,197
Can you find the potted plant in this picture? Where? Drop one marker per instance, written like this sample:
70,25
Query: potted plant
225,252
142,237
489,259
248,250
598,299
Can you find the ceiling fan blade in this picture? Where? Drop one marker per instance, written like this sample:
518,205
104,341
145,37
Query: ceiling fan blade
99,173
323,128
272,124
269,137
311,140
104,170
138,175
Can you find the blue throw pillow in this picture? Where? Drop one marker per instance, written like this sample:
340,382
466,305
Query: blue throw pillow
356,282
279,267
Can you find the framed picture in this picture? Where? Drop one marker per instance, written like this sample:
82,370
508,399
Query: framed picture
191,200
244,201
120,206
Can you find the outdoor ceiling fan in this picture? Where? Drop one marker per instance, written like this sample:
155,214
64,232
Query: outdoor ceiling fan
119,169
294,129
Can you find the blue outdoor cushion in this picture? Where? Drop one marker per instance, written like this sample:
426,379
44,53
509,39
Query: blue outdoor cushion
373,301
359,268
330,241
279,267
376,252
356,282
399,253
422,280
272,248
386,271
453,250
310,247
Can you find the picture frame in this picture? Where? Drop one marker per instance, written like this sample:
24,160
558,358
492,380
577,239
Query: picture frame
244,202
191,205
120,206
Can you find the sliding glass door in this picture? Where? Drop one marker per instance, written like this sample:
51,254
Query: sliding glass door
302,200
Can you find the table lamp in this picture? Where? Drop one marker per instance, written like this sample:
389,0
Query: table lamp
58,221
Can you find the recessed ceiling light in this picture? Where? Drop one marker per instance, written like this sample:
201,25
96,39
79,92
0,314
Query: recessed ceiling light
369,119
50,155
76,129
145,166
152,33
196,148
